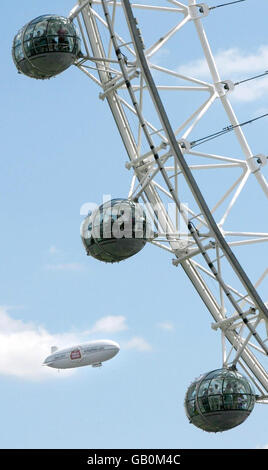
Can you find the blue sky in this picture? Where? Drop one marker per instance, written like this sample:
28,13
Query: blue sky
61,149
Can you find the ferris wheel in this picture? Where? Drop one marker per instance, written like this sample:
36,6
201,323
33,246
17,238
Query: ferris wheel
193,198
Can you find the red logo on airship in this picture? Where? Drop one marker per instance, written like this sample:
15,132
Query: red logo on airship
75,354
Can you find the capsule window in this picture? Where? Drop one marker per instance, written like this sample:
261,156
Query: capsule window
252,402
40,29
40,45
203,404
243,387
191,407
247,387
19,55
228,401
215,403
191,392
60,28
69,44
40,18
243,402
52,43
29,48
203,389
228,385
18,38
29,32
219,374
215,386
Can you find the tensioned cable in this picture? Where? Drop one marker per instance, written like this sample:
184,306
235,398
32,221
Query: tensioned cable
225,4
252,78
225,130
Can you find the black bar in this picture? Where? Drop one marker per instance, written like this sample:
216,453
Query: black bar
120,458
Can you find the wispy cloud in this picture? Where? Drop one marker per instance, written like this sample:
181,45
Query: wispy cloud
165,326
236,64
251,91
109,324
137,343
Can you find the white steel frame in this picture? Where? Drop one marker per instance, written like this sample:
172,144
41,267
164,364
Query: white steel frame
122,67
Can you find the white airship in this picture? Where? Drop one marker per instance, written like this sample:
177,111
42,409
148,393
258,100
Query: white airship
92,354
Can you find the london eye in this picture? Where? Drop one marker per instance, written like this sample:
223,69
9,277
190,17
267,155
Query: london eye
189,180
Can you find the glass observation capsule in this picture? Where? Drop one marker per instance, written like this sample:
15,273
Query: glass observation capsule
46,46
115,231
219,400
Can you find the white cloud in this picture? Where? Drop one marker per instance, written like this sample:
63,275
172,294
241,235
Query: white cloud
251,91
24,346
236,64
109,324
137,343
166,326
230,62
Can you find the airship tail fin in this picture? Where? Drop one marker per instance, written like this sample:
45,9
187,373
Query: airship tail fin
53,349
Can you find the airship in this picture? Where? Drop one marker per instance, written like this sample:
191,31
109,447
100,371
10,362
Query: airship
93,353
